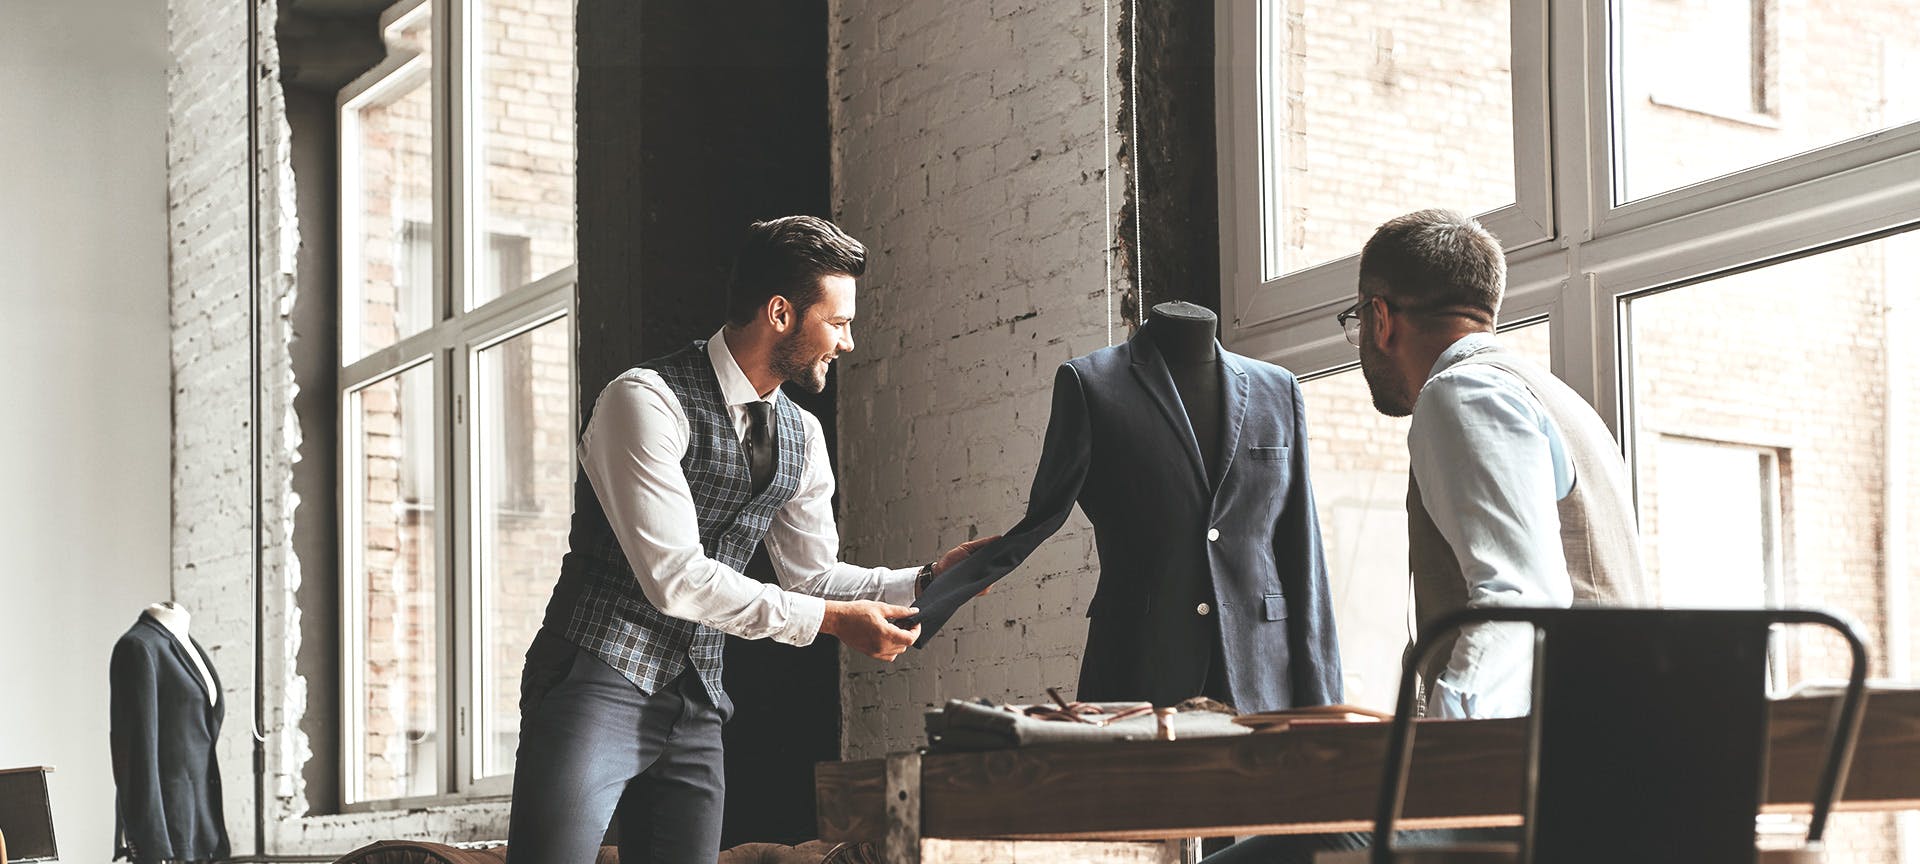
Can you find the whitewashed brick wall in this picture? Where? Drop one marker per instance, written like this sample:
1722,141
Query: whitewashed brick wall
212,498
969,157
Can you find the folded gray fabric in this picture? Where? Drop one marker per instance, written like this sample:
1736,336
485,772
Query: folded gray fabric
968,726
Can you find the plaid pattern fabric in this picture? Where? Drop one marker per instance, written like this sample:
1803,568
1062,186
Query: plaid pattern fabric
598,604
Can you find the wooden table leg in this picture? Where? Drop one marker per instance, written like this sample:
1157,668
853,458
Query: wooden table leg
903,809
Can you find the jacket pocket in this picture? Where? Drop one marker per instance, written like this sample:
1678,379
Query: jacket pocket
1276,607
1268,454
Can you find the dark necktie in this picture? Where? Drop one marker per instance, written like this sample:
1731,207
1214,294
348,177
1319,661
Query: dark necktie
759,444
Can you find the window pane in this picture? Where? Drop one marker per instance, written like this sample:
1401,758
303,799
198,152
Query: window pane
399,630
389,236
525,116
523,397
1824,382
1359,464
1710,87
1373,108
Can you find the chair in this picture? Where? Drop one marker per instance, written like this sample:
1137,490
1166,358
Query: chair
1647,739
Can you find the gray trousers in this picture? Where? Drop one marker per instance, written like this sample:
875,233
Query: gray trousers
591,747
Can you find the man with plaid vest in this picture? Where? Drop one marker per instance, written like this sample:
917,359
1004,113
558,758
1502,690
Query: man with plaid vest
688,463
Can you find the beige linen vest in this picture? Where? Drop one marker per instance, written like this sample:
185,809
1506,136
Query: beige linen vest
1598,531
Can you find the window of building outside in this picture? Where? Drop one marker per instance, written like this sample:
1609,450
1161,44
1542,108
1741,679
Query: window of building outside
457,236
1708,208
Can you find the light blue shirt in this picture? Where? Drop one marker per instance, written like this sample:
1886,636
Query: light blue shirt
1491,469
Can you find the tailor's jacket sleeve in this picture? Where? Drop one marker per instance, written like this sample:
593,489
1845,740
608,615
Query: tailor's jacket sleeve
1302,561
134,732
1064,458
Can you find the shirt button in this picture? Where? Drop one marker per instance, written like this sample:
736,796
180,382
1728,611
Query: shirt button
1212,535
1203,608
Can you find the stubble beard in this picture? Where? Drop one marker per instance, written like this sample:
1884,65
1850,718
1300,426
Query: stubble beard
795,365
1384,381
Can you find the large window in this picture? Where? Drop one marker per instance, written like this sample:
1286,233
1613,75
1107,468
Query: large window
456,389
1711,202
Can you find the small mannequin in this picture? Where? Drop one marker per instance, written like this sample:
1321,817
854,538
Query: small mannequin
175,618
1185,333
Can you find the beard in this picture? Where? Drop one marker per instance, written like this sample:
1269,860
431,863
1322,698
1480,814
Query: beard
796,365
1384,381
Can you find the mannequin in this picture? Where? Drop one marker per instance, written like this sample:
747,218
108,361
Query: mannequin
175,618
1184,333
165,715
1191,463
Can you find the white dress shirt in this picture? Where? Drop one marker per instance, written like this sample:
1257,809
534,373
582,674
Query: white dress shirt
1491,469
631,453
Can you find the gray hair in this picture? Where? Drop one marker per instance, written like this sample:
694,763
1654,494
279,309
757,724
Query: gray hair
1438,261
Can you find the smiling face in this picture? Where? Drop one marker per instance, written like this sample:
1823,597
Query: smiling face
821,332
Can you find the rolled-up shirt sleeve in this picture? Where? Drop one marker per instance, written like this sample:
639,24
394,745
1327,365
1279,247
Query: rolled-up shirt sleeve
804,543
631,453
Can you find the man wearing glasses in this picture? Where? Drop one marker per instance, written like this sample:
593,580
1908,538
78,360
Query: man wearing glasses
1517,494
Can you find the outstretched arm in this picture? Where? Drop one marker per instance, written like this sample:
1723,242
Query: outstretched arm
1064,458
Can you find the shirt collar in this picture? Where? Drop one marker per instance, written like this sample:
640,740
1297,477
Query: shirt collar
1462,348
734,386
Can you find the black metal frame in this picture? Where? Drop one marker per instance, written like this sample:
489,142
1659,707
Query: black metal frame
1845,728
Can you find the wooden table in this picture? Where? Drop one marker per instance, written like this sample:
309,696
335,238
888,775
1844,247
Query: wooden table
1317,779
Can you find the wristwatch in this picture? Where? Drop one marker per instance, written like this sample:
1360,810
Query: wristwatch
922,579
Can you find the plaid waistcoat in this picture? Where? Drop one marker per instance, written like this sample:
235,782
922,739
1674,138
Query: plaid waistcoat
598,605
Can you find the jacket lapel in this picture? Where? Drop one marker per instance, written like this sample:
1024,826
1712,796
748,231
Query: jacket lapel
1150,369
217,708
180,655
1233,389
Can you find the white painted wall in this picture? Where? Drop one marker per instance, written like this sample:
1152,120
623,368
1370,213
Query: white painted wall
83,381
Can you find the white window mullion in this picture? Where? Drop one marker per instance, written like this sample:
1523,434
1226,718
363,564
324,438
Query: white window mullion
449,247
352,605
1531,218
462,542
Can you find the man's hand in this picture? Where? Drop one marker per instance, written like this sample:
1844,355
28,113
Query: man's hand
959,553
863,626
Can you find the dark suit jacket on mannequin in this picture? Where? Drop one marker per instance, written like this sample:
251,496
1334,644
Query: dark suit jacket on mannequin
163,731
1245,541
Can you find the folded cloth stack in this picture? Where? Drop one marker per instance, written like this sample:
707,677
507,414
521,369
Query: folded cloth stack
964,726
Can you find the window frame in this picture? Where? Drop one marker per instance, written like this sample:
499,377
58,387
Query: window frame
1590,255
451,344
1266,316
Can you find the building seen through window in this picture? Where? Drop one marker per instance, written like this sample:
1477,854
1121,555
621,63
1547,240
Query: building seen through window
457,384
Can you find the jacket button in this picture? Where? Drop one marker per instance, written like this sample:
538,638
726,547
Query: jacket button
1203,608
1212,535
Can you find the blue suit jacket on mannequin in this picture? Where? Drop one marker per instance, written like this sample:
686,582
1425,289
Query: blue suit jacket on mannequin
1246,540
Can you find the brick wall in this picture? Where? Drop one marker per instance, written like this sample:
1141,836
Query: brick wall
968,156
212,491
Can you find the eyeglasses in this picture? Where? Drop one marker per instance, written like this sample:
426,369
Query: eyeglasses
1350,320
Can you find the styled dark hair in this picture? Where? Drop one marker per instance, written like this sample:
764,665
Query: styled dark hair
786,257
1438,261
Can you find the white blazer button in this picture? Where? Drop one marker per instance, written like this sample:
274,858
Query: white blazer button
1203,608
1213,534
